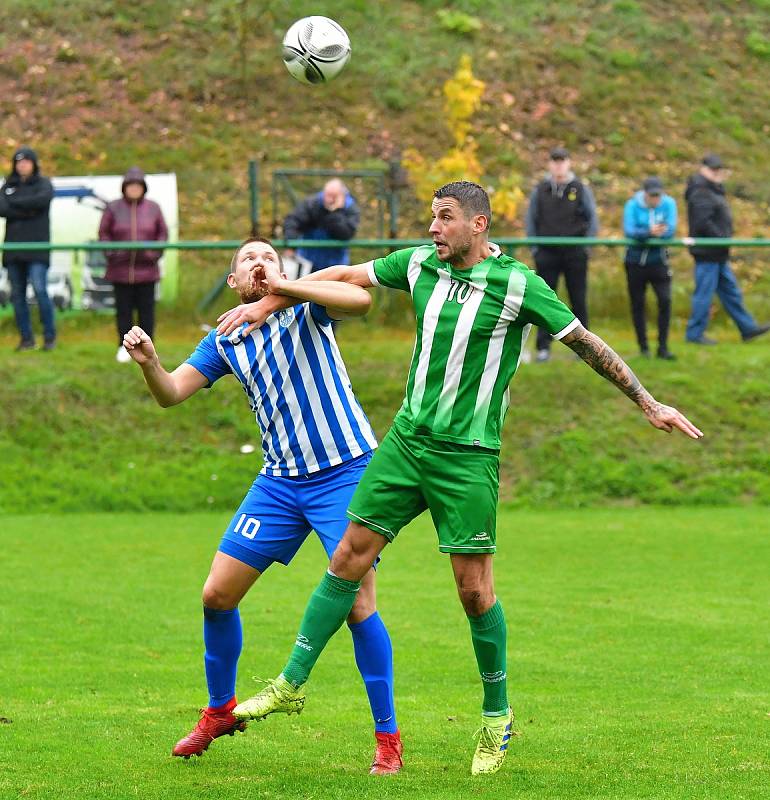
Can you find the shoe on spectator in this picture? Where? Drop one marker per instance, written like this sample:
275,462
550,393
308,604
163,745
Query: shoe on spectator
542,355
49,344
666,354
644,352
756,332
702,340
122,356
25,344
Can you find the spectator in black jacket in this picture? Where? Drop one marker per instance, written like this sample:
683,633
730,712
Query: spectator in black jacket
25,198
330,214
562,205
708,215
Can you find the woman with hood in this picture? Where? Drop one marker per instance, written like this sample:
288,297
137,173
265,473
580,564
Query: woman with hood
25,199
133,273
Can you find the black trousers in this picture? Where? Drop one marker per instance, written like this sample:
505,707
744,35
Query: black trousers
659,277
572,262
130,297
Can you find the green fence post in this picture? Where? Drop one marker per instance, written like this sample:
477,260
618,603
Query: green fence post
254,196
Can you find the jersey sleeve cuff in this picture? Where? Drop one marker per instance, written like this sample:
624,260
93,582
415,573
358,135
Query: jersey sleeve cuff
564,331
370,272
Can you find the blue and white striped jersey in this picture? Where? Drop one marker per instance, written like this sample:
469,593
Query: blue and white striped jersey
293,374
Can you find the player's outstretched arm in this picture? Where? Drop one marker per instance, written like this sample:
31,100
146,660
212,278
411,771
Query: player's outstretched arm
168,388
604,360
257,313
340,298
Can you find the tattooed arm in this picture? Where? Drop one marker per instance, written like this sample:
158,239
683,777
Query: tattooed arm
604,360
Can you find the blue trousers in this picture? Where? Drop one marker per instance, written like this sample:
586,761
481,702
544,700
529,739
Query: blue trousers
710,277
36,273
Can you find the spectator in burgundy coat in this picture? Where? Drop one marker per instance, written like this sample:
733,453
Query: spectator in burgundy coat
133,273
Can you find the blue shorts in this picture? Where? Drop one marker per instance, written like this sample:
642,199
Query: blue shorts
277,514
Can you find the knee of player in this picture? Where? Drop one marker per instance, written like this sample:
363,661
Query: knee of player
218,598
476,598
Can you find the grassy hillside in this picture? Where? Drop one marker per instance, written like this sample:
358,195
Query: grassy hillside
80,432
632,87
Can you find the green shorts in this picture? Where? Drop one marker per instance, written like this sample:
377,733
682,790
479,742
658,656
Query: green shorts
411,472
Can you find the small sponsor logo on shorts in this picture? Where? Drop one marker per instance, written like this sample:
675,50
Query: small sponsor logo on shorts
302,641
482,536
493,677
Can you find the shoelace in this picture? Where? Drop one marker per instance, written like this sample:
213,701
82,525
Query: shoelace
487,741
269,683
206,717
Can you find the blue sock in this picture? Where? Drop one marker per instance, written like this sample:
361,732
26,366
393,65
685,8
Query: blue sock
374,658
223,638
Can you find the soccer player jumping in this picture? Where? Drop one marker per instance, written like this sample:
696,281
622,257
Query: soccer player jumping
474,308
316,442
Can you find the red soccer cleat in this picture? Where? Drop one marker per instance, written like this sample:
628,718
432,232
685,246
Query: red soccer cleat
387,756
212,724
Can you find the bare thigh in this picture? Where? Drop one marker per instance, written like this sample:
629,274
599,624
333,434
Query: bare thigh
228,582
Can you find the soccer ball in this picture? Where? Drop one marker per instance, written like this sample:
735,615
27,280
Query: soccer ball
315,49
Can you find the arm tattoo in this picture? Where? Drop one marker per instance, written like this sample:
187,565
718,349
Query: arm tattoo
604,360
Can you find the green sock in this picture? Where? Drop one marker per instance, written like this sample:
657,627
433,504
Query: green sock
488,633
327,609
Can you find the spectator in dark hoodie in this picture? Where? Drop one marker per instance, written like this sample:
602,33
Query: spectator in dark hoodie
329,214
25,199
708,214
133,273
649,214
562,205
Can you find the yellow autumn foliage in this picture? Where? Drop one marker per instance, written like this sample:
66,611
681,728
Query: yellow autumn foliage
459,164
507,197
462,99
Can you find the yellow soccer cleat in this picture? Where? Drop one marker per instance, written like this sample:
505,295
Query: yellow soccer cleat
494,735
278,697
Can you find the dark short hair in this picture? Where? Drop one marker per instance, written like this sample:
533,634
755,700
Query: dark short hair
250,240
471,197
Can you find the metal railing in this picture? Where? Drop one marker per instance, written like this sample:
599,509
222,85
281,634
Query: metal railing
386,244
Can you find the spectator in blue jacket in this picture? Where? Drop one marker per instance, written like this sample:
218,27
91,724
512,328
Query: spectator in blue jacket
330,214
650,214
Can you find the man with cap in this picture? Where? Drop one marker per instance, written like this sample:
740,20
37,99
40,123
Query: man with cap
649,214
25,199
562,205
708,215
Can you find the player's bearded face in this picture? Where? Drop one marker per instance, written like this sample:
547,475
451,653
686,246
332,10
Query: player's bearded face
249,275
451,230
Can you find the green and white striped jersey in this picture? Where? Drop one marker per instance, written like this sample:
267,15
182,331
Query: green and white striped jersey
472,325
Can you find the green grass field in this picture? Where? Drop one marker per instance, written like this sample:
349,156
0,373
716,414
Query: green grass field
638,658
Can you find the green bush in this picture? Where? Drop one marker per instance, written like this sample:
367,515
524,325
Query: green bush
458,22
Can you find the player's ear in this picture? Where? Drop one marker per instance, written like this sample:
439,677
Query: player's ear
284,276
480,223
231,280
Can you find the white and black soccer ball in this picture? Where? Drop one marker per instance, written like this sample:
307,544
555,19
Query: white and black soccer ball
315,49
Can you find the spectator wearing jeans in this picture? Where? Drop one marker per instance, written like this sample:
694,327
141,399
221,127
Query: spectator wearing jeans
562,205
133,273
25,199
708,215
649,214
